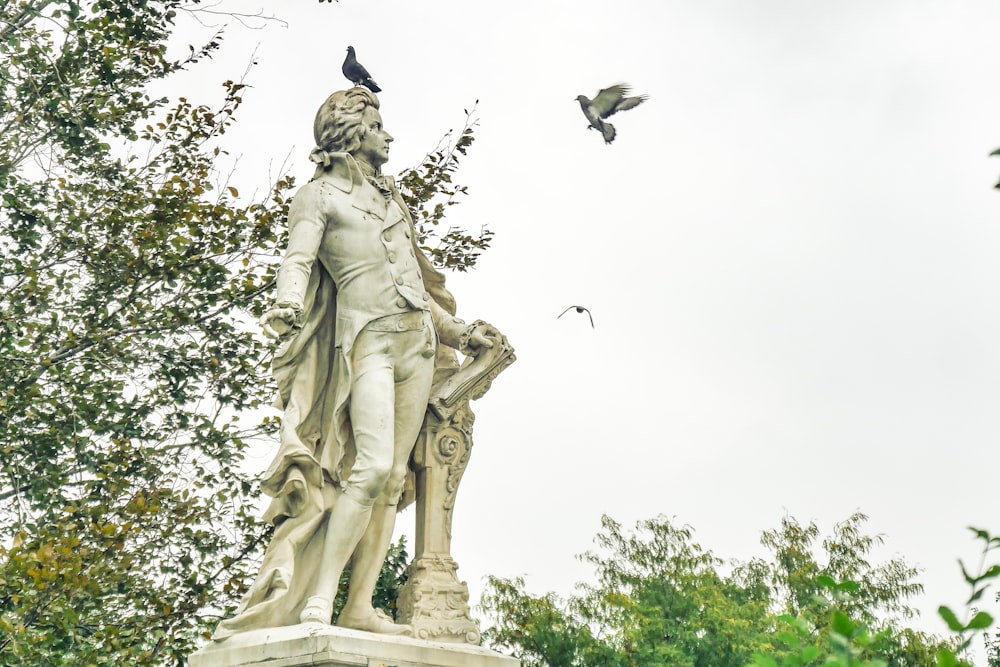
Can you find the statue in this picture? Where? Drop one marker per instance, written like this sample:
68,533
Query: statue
363,321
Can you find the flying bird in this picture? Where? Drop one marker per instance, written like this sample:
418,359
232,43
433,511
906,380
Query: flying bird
356,72
608,101
579,309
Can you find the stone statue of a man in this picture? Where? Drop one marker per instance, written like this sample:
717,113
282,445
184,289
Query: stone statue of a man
360,313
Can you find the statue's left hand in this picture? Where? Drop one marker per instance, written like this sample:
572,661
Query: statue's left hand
481,338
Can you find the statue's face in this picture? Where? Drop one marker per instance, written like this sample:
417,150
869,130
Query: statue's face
374,148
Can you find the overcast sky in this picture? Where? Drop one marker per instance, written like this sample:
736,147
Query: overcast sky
790,253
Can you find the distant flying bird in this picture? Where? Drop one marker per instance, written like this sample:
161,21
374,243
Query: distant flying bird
579,309
609,101
356,72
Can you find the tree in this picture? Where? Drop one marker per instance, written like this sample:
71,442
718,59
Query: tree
132,273
658,599
853,642
429,190
127,270
993,647
661,599
843,584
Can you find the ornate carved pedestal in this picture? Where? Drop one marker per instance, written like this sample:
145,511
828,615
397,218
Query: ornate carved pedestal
434,601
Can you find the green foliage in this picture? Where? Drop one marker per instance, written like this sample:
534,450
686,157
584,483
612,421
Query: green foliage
992,643
851,643
540,630
392,577
875,595
659,598
127,275
429,190
390,580
843,641
667,597
978,621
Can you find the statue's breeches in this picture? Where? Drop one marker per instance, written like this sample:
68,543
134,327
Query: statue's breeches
391,382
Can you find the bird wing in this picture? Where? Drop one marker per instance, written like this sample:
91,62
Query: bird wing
629,102
579,309
607,99
360,72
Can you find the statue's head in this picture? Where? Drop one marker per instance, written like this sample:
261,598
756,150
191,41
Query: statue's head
338,127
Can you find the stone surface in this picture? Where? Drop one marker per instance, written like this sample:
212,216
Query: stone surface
318,645
364,324
434,602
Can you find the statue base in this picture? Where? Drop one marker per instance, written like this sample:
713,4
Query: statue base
435,603
318,645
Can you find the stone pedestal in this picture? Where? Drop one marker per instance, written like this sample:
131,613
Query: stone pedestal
434,600
316,645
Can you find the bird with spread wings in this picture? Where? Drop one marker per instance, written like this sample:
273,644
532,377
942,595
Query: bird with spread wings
608,102
579,309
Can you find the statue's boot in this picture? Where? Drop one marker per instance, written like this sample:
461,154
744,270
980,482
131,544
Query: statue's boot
347,523
366,566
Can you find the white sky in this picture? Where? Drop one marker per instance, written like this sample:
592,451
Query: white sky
790,253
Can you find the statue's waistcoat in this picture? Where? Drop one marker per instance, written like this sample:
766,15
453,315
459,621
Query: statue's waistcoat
368,250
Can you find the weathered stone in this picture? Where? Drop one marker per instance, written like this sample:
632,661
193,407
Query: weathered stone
369,381
316,645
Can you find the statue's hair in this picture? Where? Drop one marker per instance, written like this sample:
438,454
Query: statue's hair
338,127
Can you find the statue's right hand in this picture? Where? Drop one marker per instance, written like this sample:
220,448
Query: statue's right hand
280,321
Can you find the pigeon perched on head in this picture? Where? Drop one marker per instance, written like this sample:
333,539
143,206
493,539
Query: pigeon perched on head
607,102
579,309
356,72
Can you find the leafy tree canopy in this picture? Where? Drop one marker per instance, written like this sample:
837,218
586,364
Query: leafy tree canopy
127,268
660,599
